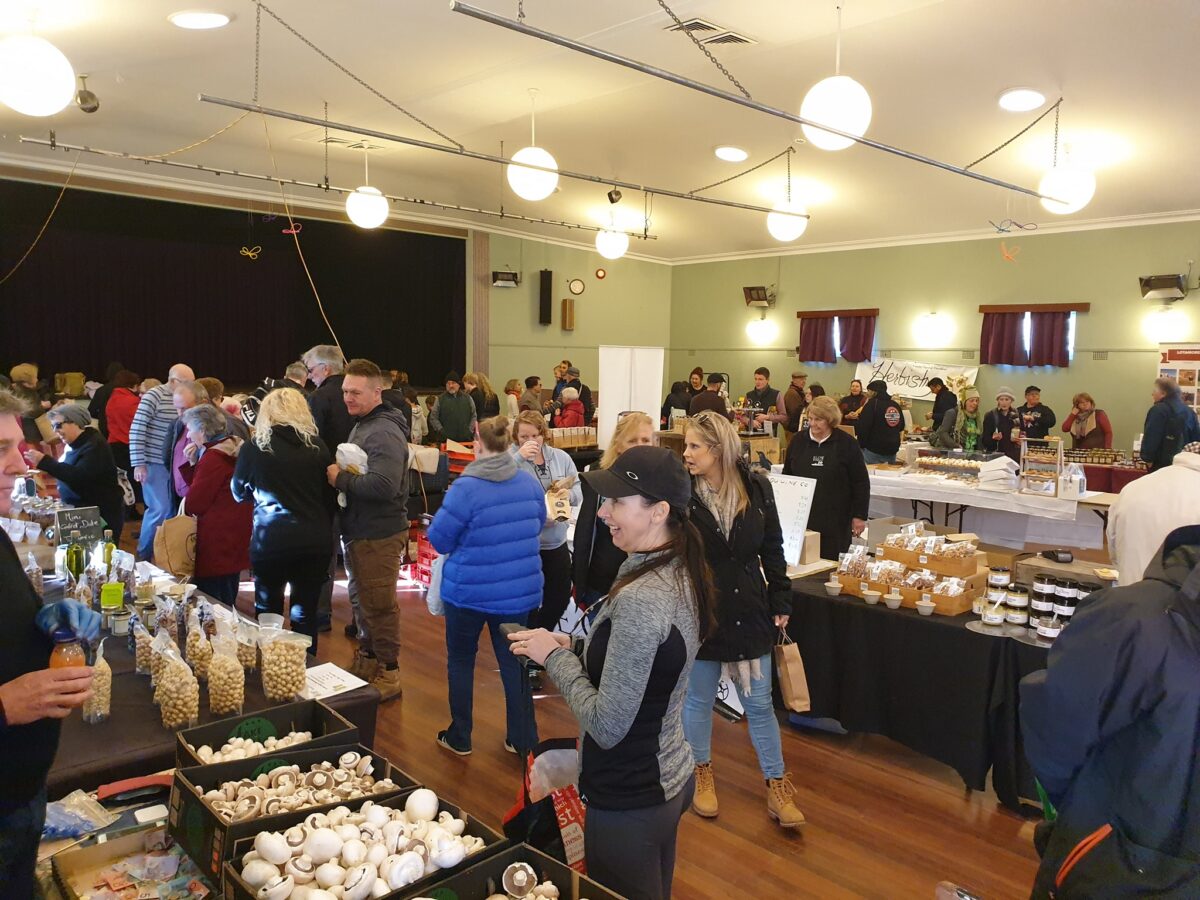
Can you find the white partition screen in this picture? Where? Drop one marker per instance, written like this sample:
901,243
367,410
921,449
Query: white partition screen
630,379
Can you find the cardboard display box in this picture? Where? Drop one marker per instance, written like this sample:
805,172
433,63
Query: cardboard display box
946,606
209,840
955,567
327,726
879,529
235,888
483,879
1079,570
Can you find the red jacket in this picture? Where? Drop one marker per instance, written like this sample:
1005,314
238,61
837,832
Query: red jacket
570,416
222,524
122,404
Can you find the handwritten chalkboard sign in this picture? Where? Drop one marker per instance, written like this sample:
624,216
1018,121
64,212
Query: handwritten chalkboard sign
85,519
793,498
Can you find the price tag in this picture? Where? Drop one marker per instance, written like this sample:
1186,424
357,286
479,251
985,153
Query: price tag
926,598
923,559
864,586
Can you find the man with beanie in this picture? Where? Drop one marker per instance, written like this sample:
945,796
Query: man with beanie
711,399
1036,418
943,401
453,413
585,393
879,426
374,524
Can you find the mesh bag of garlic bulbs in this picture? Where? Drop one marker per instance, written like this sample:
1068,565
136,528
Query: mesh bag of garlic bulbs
284,659
226,678
368,851
199,649
96,708
177,692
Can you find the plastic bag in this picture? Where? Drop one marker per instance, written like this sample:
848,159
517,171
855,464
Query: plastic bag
284,660
199,650
166,617
162,644
226,677
353,459
177,692
36,577
247,644
97,707
74,816
142,653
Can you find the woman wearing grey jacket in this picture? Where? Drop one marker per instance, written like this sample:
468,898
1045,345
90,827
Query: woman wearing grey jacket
626,682
549,466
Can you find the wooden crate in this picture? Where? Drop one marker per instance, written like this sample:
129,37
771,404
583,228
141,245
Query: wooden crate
955,567
946,606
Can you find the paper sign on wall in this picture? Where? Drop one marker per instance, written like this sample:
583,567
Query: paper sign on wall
793,499
1182,362
907,377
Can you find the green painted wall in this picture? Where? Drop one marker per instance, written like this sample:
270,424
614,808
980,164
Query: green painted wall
631,306
708,315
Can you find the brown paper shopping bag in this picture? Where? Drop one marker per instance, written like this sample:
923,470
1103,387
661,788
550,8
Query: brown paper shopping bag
793,683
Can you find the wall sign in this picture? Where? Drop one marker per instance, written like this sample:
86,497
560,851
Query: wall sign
907,377
1182,362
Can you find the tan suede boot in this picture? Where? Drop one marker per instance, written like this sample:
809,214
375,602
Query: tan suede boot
363,666
704,802
387,682
780,805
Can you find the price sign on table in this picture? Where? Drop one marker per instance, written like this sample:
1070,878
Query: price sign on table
86,520
793,498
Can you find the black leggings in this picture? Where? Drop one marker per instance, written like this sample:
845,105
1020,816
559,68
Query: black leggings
632,851
307,573
556,587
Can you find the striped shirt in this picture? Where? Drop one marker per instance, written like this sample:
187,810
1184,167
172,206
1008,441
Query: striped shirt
151,427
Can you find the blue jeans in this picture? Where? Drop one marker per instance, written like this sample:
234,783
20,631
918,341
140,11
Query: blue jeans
20,832
156,490
462,643
760,715
871,458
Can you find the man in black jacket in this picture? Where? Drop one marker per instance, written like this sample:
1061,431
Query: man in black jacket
1170,424
944,400
1110,730
99,402
710,399
1037,419
33,698
879,425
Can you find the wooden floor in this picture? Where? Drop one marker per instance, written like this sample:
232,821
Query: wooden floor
883,821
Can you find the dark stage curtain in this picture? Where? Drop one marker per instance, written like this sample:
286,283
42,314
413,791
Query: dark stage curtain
858,337
816,341
1002,343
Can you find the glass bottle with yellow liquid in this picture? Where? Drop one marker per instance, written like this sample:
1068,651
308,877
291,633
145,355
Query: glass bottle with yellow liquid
76,560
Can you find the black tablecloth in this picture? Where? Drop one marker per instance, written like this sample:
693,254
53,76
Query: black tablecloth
926,682
133,742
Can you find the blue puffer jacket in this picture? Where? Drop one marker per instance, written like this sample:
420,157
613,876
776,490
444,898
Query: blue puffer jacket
489,523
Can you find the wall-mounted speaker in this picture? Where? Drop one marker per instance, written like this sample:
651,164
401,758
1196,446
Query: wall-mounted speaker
568,314
545,313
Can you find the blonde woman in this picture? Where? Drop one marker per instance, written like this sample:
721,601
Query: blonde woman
512,398
481,392
283,470
597,561
734,510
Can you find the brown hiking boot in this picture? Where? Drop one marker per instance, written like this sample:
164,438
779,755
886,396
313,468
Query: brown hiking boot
387,682
780,806
364,666
704,801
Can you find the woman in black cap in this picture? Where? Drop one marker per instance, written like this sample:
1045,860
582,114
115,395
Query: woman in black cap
879,425
626,682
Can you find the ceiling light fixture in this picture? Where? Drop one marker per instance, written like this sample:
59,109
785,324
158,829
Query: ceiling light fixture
533,184
1022,100
612,244
789,219
36,79
761,331
731,154
198,20
85,99
367,207
1074,186
838,101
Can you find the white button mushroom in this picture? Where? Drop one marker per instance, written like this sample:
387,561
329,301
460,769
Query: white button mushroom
358,883
329,874
322,845
278,888
258,872
421,805
354,852
271,846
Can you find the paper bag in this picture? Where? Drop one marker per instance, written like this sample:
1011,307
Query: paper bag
793,683
175,544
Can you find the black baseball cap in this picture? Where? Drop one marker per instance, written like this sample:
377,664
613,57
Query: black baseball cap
714,378
1033,388
653,472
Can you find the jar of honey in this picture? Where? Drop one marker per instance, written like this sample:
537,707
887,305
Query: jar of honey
68,651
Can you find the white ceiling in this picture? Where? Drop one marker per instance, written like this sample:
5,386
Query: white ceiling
934,69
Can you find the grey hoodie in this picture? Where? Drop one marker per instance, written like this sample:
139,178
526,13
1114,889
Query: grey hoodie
377,502
500,467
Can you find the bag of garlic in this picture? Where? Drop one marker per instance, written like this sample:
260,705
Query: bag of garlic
97,707
226,677
199,650
159,647
284,659
247,644
178,692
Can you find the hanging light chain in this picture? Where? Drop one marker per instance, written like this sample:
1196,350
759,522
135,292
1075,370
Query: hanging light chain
791,150
765,162
837,52
257,44
1056,105
337,65
520,10
724,71
326,145
1053,109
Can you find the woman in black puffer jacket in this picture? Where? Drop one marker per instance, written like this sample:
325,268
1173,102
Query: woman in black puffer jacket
734,510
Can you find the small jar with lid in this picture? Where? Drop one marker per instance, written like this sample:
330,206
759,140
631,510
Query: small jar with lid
1049,628
1066,595
999,577
1085,590
1041,599
1017,603
993,613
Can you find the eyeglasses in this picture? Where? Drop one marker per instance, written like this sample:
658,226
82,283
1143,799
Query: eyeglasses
56,426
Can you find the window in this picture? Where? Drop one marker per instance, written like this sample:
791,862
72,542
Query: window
1027,333
837,332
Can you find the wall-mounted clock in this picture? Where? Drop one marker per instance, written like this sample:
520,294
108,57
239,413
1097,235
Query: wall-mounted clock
576,286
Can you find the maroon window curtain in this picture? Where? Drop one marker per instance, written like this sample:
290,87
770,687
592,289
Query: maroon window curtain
816,341
1048,332
858,337
1002,341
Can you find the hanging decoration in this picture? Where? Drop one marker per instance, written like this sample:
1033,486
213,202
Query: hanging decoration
251,252
838,101
533,184
1009,254
295,228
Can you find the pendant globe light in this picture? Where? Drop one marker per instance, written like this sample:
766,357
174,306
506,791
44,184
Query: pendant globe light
36,79
789,219
1071,185
367,207
612,244
533,184
839,102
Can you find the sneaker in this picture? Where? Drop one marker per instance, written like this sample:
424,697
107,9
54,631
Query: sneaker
387,682
443,740
704,802
364,666
780,805
511,749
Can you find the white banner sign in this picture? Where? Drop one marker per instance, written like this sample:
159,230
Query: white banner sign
907,377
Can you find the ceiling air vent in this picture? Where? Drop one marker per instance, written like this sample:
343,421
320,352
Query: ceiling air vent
693,26
727,38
